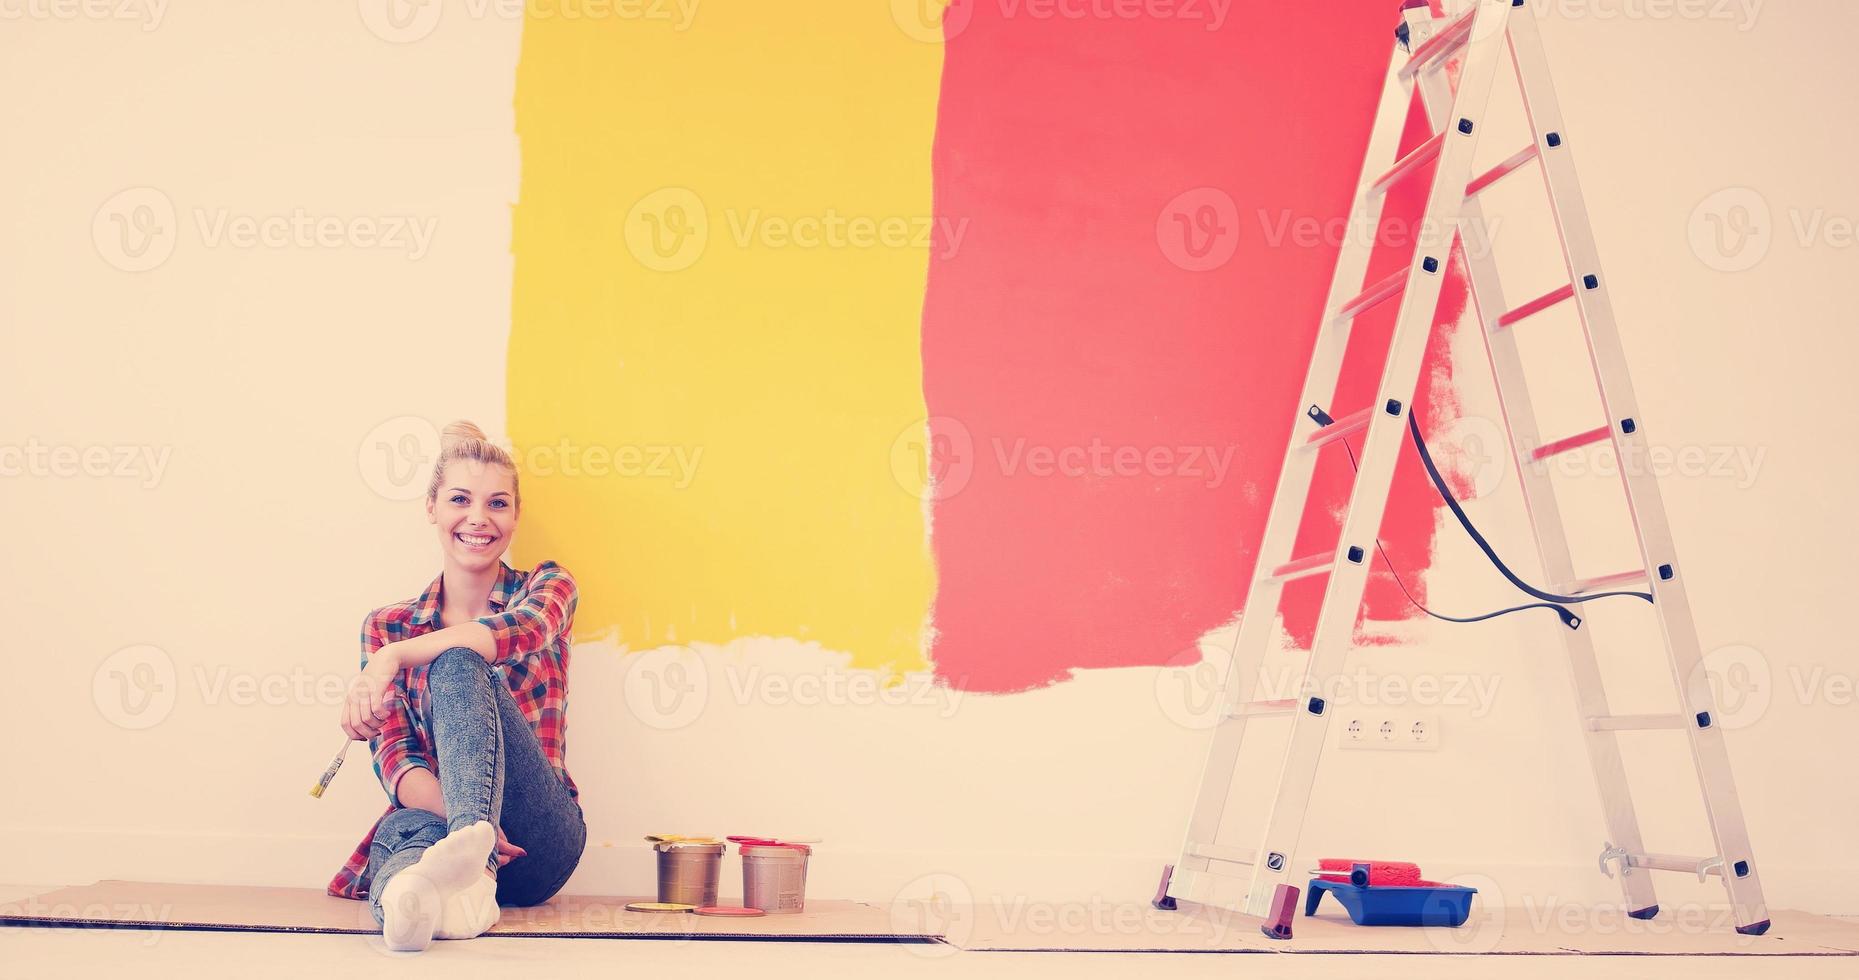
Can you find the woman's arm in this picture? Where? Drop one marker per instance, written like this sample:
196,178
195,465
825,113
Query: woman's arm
543,615
418,651
419,788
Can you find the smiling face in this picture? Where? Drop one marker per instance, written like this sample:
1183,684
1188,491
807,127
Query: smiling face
474,512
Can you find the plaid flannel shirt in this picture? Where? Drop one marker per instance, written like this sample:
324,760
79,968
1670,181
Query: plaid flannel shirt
532,613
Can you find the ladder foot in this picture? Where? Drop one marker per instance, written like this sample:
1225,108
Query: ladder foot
1284,908
1754,928
1645,913
1162,900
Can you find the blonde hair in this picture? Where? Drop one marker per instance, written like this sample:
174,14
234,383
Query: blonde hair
464,440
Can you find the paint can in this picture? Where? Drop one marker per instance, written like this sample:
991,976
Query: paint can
688,872
774,877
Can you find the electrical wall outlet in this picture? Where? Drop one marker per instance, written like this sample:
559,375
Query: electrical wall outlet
1393,730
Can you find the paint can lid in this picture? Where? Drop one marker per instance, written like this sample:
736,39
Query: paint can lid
730,910
777,849
659,907
689,847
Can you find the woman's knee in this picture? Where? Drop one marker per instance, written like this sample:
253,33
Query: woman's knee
409,823
457,666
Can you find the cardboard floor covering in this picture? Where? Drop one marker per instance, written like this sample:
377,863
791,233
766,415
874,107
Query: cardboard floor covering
140,904
1087,927
1564,930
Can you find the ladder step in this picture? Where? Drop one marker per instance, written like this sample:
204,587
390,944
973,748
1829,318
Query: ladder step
1635,723
1393,284
1577,441
1537,305
1421,155
1260,709
1602,583
1221,852
1304,567
1353,422
1450,39
1677,862
1511,165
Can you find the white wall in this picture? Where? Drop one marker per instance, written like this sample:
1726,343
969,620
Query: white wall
268,380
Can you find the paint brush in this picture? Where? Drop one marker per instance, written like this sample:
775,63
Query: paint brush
330,773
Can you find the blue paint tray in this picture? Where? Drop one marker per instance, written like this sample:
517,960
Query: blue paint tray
1395,905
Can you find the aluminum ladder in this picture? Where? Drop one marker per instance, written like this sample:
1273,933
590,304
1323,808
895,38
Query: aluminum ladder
1477,38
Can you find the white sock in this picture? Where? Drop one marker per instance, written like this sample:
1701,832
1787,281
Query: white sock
414,904
471,911
410,911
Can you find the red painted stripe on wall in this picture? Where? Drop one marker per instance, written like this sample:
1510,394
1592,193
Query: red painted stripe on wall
1112,355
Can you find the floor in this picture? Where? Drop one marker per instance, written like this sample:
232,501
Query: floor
151,955
155,954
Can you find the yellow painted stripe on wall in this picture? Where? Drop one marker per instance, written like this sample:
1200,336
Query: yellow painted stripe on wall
711,359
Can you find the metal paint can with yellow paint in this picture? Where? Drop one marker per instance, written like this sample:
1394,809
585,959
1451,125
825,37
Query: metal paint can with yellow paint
688,871
774,877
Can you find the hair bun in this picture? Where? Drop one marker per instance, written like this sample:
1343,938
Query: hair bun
460,431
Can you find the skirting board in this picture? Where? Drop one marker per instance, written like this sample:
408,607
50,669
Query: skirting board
141,904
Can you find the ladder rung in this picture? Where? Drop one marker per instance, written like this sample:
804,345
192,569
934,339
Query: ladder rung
1304,567
1258,709
1420,156
1676,862
1353,422
1601,583
1576,441
1510,166
1393,284
1448,40
1221,852
1537,305
1635,723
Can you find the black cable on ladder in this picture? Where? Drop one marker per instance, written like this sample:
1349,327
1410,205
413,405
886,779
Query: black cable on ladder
1569,619
1439,483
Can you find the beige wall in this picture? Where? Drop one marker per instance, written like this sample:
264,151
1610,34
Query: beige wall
265,381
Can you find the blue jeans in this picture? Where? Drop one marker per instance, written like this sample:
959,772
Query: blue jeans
490,768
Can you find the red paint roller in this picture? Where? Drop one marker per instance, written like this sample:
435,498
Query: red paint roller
1369,873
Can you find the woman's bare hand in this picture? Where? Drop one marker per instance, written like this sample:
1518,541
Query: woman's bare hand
368,705
506,851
